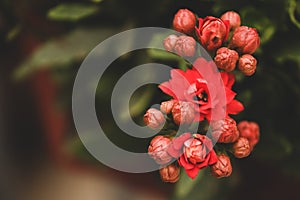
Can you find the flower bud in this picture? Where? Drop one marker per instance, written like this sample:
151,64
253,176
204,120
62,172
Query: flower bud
245,40
154,118
222,168
185,46
226,59
225,131
169,42
233,18
183,112
212,32
184,21
170,173
158,149
166,106
249,130
247,64
241,148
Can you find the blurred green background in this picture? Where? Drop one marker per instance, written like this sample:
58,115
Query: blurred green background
42,45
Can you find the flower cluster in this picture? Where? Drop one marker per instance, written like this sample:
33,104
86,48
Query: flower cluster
196,98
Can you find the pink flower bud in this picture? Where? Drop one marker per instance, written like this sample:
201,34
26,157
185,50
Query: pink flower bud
241,148
226,59
184,21
233,18
166,106
212,32
170,173
158,149
245,40
247,64
225,130
222,168
169,42
154,118
185,46
183,112
249,130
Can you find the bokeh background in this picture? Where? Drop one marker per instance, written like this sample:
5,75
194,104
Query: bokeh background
42,45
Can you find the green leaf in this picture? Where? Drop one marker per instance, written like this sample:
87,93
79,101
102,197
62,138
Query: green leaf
292,11
185,185
71,11
257,19
63,51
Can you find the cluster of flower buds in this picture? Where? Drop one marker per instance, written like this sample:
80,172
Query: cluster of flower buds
220,140
230,44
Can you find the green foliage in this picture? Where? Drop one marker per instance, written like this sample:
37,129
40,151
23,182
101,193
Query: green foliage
63,51
72,11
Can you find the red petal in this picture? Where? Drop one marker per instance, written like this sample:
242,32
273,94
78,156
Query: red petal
234,107
192,173
213,158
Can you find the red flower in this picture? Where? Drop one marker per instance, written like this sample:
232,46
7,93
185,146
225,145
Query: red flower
247,64
226,59
154,118
190,86
158,149
183,112
225,131
176,146
198,154
212,32
222,168
184,21
233,18
249,130
170,173
245,40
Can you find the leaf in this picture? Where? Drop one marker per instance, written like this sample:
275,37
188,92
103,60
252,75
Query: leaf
62,51
185,185
71,11
292,11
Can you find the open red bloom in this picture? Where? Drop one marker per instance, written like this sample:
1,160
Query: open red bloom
191,86
198,154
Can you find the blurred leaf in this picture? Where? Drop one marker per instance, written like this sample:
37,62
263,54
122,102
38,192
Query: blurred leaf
96,1
257,19
13,32
185,185
71,11
61,52
291,51
292,12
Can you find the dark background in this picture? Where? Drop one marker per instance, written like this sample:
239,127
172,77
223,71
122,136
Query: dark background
41,157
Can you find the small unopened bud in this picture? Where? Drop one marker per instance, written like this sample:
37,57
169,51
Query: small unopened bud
158,149
154,118
169,42
241,148
225,131
222,168
233,18
170,173
247,64
249,130
166,106
226,59
183,112
184,21
185,46
245,40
